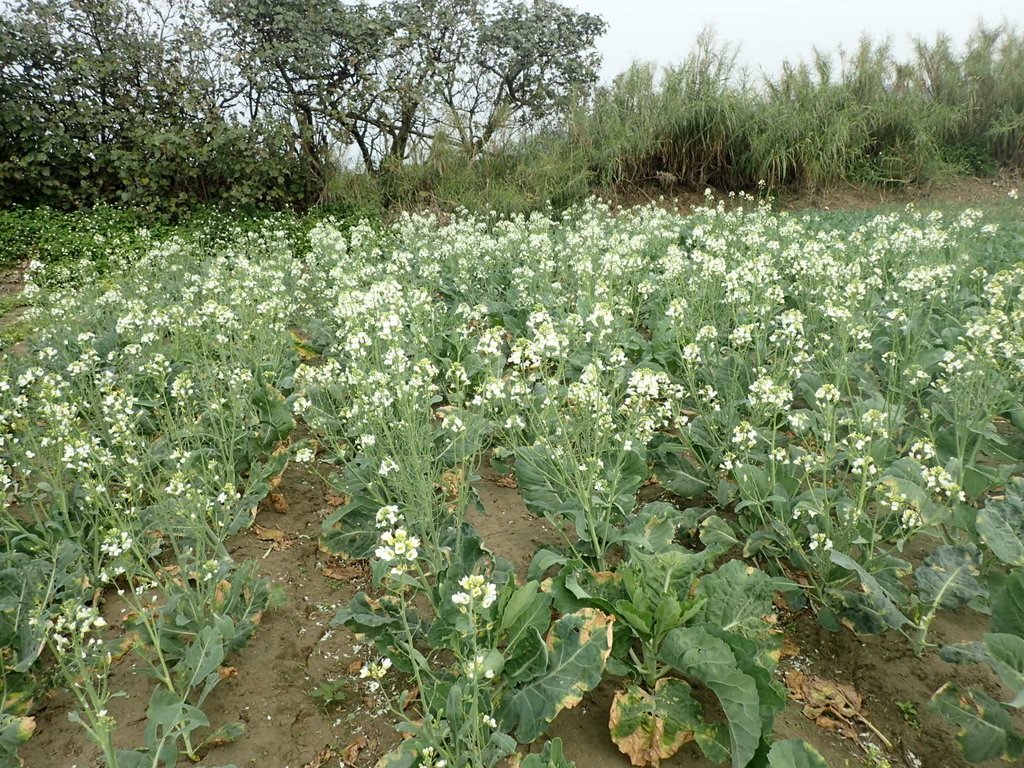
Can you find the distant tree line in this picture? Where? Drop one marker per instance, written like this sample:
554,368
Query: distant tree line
173,103
169,105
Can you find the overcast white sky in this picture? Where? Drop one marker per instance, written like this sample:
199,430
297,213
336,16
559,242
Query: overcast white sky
769,31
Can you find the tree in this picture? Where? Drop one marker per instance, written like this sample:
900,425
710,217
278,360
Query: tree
387,79
174,102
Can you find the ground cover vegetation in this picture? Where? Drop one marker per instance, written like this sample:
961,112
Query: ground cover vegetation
488,105
722,418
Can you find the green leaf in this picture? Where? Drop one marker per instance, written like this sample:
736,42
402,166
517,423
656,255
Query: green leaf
378,620
696,653
986,731
1006,656
544,559
672,569
653,526
794,753
526,658
872,610
738,599
552,756
202,658
624,474
758,660
678,475
169,715
1001,526
526,608
133,758
717,536
949,577
350,532
1008,605
578,647
753,481
539,474
276,418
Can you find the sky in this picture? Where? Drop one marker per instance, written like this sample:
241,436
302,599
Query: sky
770,31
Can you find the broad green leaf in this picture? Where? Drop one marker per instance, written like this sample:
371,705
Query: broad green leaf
651,727
202,658
794,753
986,731
350,532
753,481
1001,527
577,586
539,474
872,610
696,653
1008,605
758,660
169,715
678,475
133,758
1007,659
965,653
949,577
543,559
717,536
526,658
624,474
276,418
379,621
552,756
738,598
526,607
578,647
653,526
671,569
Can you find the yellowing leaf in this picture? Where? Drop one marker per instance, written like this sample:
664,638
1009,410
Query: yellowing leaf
651,727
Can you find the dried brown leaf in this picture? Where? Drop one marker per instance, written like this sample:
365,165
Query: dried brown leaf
410,697
352,750
227,672
269,534
343,572
321,758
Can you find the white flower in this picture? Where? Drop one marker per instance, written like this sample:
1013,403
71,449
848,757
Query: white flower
398,547
827,393
477,591
388,517
820,540
375,672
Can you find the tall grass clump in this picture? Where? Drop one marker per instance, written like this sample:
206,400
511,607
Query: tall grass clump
862,116
987,84
684,124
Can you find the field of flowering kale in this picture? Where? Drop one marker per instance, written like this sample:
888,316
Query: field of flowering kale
621,486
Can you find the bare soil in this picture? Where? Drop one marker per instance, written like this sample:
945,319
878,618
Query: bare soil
965,191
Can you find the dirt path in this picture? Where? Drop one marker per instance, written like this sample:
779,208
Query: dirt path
12,307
